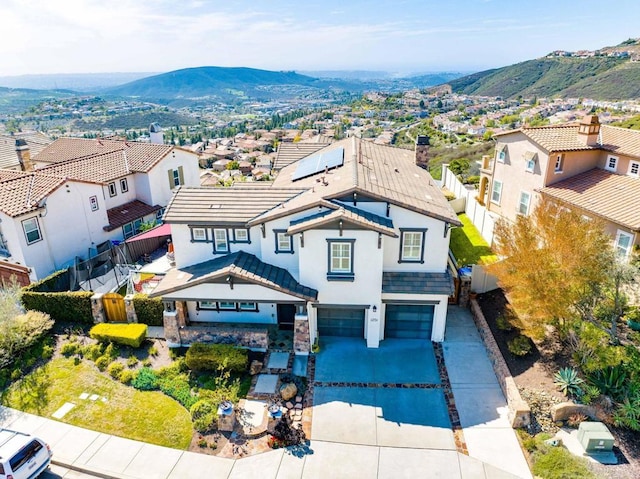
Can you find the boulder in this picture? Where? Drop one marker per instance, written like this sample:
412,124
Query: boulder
562,411
288,390
255,368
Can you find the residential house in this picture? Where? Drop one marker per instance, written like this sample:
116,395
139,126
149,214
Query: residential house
35,141
350,240
83,194
591,167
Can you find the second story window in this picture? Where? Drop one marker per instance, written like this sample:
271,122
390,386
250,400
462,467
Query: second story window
634,168
93,201
112,189
525,201
558,165
496,192
31,229
284,242
220,243
340,260
412,245
176,177
612,163
124,186
198,234
241,235
530,161
4,247
623,244
502,153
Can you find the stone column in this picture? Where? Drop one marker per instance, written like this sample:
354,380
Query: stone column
465,291
183,313
301,340
171,329
97,308
132,317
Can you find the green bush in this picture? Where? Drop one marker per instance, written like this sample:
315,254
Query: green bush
203,413
111,351
177,386
51,296
148,310
558,463
102,362
69,349
47,352
92,351
568,382
127,334
132,361
145,380
213,357
126,376
611,381
115,369
520,345
628,413
153,351
503,323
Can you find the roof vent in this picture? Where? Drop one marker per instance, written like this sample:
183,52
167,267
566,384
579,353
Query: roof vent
216,206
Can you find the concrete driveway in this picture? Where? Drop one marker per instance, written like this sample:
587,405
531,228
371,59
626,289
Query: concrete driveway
390,396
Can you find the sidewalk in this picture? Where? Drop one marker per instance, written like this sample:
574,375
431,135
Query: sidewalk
114,457
479,399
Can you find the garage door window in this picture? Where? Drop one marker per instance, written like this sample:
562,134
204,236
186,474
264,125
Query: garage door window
340,260
412,245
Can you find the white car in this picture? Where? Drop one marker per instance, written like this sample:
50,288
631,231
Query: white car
22,456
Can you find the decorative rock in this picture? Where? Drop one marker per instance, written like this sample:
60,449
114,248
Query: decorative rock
298,406
562,411
298,398
255,368
288,390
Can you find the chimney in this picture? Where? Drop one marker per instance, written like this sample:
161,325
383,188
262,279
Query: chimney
589,130
422,151
24,155
155,134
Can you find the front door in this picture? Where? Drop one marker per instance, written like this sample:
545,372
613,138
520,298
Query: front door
286,315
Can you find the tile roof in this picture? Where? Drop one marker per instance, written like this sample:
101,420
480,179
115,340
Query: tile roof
128,212
291,152
417,283
621,141
236,204
241,265
102,168
35,140
22,192
141,156
615,198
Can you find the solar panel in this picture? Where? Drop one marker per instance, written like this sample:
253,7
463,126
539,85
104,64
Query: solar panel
316,163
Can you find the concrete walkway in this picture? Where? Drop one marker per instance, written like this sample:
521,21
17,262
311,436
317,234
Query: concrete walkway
479,399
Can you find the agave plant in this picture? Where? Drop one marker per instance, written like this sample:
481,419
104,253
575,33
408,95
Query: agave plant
568,382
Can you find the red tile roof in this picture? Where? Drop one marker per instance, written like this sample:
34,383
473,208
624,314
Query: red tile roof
123,214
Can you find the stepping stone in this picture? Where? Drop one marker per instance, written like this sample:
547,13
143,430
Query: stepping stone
66,407
266,384
103,399
299,399
289,405
84,396
300,365
278,361
253,414
93,397
298,406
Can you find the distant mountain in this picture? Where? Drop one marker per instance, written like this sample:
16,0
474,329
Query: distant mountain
81,82
563,74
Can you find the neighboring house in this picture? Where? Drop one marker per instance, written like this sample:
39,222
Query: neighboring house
33,140
83,194
351,240
591,167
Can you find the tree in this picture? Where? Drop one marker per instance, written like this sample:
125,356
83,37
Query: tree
553,260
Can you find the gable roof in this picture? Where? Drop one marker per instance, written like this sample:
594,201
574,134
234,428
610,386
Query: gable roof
36,141
291,152
102,168
241,265
23,192
601,193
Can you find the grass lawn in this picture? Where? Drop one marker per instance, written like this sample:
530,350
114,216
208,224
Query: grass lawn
468,246
148,416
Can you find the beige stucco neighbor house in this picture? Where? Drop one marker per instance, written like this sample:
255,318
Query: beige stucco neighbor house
591,167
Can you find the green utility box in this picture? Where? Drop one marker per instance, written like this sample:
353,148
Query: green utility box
595,437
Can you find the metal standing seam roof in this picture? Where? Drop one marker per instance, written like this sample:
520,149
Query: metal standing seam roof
22,192
417,283
615,198
241,265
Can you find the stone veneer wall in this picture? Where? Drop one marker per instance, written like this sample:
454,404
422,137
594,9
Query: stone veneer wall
519,411
301,338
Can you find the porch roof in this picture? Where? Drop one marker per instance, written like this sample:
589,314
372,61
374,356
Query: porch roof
410,282
240,265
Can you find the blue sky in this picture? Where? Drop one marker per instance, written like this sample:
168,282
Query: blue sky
87,36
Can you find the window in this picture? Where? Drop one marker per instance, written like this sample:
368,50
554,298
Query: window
220,244
4,248
127,230
241,235
340,260
176,177
198,234
411,245
502,153
530,159
93,201
248,306
227,305
207,305
284,243
159,214
112,190
496,192
525,200
32,230
634,168
124,187
25,454
612,163
624,241
558,166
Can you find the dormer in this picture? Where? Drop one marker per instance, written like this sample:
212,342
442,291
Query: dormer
589,130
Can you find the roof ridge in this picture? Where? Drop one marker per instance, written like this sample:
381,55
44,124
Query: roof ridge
356,157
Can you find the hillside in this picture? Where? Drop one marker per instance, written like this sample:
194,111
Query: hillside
556,77
16,100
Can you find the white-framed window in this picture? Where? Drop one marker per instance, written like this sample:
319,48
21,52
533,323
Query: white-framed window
530,165
559,163
241,235
624,243
207,304
199,234
93,202
124,186
4,247
496,192
612,163
525,202
634,168
220,243
247,306
284,242
112,189
411,245
227,305
502,153
341,258
31,229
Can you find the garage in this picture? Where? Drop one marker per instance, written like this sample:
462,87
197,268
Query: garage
341,322
413,321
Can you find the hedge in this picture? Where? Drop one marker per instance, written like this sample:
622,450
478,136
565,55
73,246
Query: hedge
212,357
128,334
56,282
149,311
68,306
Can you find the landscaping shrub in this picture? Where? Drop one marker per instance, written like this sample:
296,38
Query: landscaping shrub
212,357
503,323
127,334
611,381
177,386
92,351
568,382
628,413
69,349
520,345
148,310
132,361
558,463
126,376
145,380
203,413
102,362
47,352
153,351
111,351
115,369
